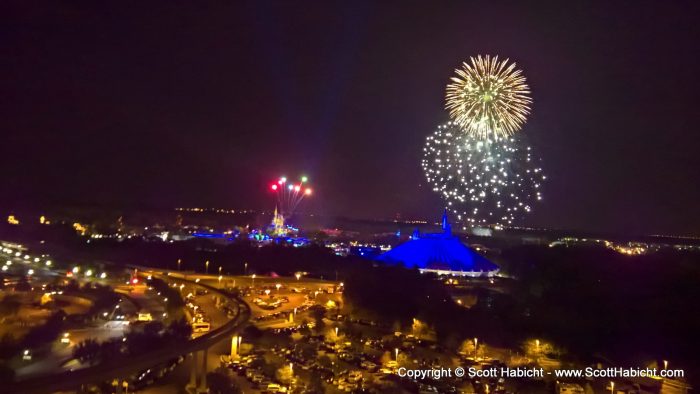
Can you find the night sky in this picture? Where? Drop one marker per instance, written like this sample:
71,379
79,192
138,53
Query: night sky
138,104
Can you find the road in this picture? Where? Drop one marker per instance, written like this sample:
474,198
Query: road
120,368
175,382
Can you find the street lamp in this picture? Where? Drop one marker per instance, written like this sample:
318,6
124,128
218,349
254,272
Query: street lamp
278,287
267,292
220,270
396,357
179,262
253,285
476,344
206,267
665,364
612,387
245,269
298,275
220,277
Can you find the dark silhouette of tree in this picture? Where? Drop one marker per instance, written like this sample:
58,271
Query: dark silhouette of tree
250,332
103,298
175,301
87,351
9,306
111,349
219,383
7,374
153,328
317,312
307,351
23,284
316,383
180,330
9,346
72,286
47,332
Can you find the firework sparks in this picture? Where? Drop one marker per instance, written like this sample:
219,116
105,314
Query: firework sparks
290,194
488,98
482,181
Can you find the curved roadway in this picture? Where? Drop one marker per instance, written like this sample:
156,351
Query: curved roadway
127,366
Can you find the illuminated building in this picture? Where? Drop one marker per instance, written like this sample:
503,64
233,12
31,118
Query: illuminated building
278,228
441,253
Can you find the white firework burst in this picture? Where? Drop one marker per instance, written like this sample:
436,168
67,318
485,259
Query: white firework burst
483,181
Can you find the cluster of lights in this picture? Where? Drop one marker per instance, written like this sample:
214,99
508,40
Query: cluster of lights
411,221
88,273
215,210
488,98
491,181
27,259
630,250
80,228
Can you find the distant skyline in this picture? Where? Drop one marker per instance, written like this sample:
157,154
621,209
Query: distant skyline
170,105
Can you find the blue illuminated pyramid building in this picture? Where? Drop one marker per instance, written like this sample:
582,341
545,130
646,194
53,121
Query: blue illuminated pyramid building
442,253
